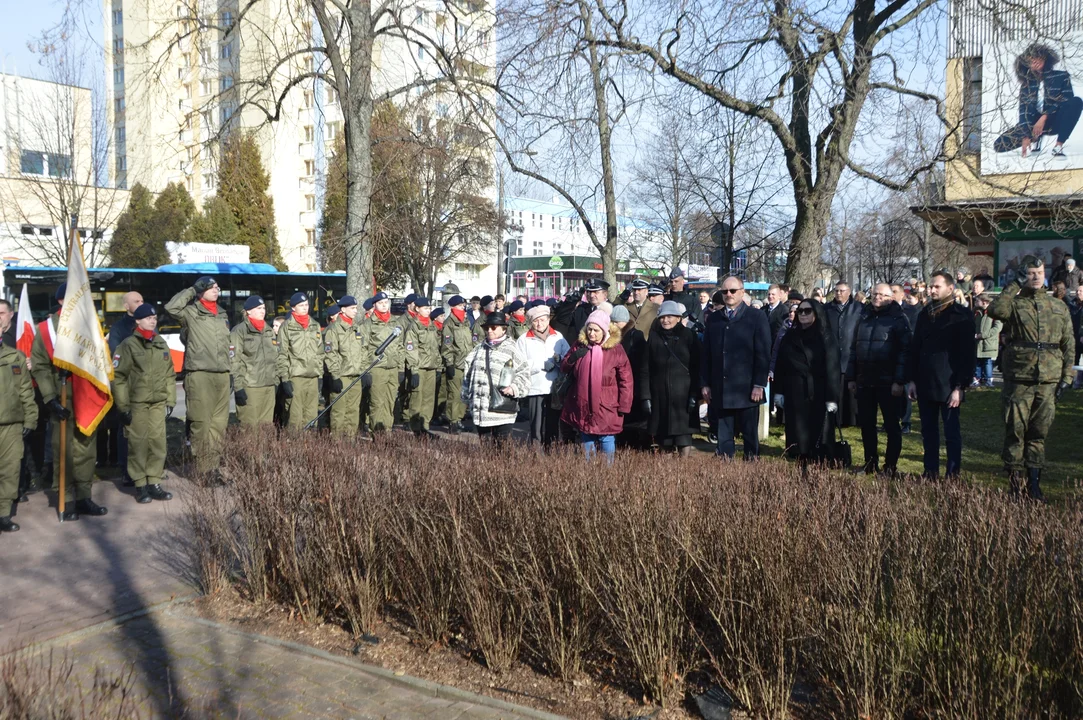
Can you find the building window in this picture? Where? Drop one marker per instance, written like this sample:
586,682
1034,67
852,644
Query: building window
537,247
307,101
310,203
120,134
227,19
118,17
971,138
310,168
122,163
225,83
189,184
118,44
208,181
531,219
204,87
332,131
32,163
332,96
419,16
205,56
310,236
441,109
420,52
309,133
27,229
226,112
227,51
118,75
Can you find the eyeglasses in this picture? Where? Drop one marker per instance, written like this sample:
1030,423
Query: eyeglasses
731,291
804,311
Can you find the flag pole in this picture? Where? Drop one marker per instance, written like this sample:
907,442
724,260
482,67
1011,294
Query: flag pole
62,486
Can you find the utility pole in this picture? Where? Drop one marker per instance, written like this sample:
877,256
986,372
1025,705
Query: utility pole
501,272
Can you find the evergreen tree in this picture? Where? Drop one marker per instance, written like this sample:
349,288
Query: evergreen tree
135,243
216,224
173,211
243,184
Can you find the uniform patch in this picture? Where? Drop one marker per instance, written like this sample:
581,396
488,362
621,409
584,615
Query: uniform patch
165,355
409,346
232,350
327,347
275,343
116,359
16,370
447,339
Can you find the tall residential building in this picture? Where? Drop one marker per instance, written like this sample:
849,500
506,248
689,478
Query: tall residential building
185,72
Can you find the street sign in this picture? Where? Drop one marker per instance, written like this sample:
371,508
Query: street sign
530,279
555,263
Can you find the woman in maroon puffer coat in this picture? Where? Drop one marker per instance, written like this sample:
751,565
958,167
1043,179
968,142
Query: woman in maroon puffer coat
601,391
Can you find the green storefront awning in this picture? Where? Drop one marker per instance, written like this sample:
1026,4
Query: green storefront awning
563,263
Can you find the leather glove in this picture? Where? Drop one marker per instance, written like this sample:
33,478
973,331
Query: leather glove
126,417
449,372
415,381
646,404
580,352
57,409
780,401
366,381
26,432
240,397
1061,387
201,287
168,410
402,377
287,389
832,407
336,385
692,404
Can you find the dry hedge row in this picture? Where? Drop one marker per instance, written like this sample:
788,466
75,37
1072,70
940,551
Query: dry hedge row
888,601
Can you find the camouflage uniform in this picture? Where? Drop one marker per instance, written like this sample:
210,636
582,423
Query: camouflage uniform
1037,359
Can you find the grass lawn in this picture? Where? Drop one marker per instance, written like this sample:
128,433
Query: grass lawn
983,438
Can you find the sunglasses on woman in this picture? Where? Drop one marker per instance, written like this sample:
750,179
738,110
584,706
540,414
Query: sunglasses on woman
804,311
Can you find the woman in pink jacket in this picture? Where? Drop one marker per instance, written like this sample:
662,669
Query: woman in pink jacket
601,390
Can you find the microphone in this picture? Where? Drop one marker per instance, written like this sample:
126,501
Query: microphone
390,338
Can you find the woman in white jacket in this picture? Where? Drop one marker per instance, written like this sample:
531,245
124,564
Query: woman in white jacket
544,348
496,377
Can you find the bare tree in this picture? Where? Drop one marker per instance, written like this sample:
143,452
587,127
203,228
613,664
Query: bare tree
63,145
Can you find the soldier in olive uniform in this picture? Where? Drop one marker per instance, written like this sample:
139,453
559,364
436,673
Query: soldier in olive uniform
299,364
18,418
81,451
1037,369
255,350
207,366
389,373
345,357
458,340
424,362
145,392
517,324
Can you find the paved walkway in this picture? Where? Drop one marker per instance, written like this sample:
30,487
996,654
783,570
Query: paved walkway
185,664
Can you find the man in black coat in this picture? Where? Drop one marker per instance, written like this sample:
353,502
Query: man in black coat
736,359
877,375
940,368
777,308
843,314
679,293
597,292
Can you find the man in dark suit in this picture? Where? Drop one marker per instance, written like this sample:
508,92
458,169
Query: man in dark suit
940,367
597,292
843,315
736,359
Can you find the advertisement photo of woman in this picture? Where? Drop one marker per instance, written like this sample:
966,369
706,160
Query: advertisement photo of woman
1048,108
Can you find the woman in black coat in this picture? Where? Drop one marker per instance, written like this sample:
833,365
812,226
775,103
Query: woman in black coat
667,380
807,375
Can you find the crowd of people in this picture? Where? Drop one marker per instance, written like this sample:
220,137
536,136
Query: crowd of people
639,371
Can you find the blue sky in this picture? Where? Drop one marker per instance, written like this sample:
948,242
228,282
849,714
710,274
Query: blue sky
31,19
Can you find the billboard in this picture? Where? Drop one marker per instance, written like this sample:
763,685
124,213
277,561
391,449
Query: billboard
1031,100
1010,254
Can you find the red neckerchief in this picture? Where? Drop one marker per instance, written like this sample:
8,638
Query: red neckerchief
439,325
147,334
531,333
520,316
382,316
302,320
412,313
210,305
258,324
459,313
345,319
423,320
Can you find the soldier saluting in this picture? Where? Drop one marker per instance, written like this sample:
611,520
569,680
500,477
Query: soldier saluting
1037,369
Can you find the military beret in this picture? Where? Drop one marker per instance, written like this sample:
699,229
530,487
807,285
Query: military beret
347,301
487,300
367,305
551,302
144,310
436,313
379,296
333,309
455,301
297,298
1031,261
516,305
411,298
421,301
61,291
253,302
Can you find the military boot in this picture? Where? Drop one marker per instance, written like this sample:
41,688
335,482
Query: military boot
1015,484
157,492
142,495
86,506
6,525
1034,478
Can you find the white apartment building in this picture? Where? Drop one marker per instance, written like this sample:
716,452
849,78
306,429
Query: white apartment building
184,71
48,170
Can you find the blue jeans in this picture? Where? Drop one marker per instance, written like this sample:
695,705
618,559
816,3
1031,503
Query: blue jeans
931,415
592,443
983,372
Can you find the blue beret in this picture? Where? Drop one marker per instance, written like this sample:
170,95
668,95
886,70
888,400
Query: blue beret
436,313
455,301
486,300
551,302
378,297
347,301
517,305
297,298
411,298
421,301
144,310
368,304
61,291
333,309
253,302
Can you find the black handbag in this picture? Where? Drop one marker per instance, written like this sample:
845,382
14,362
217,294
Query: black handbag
834,451
498,401
559,390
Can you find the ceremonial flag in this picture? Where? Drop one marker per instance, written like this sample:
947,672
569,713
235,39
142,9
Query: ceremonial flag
24,325
80,346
